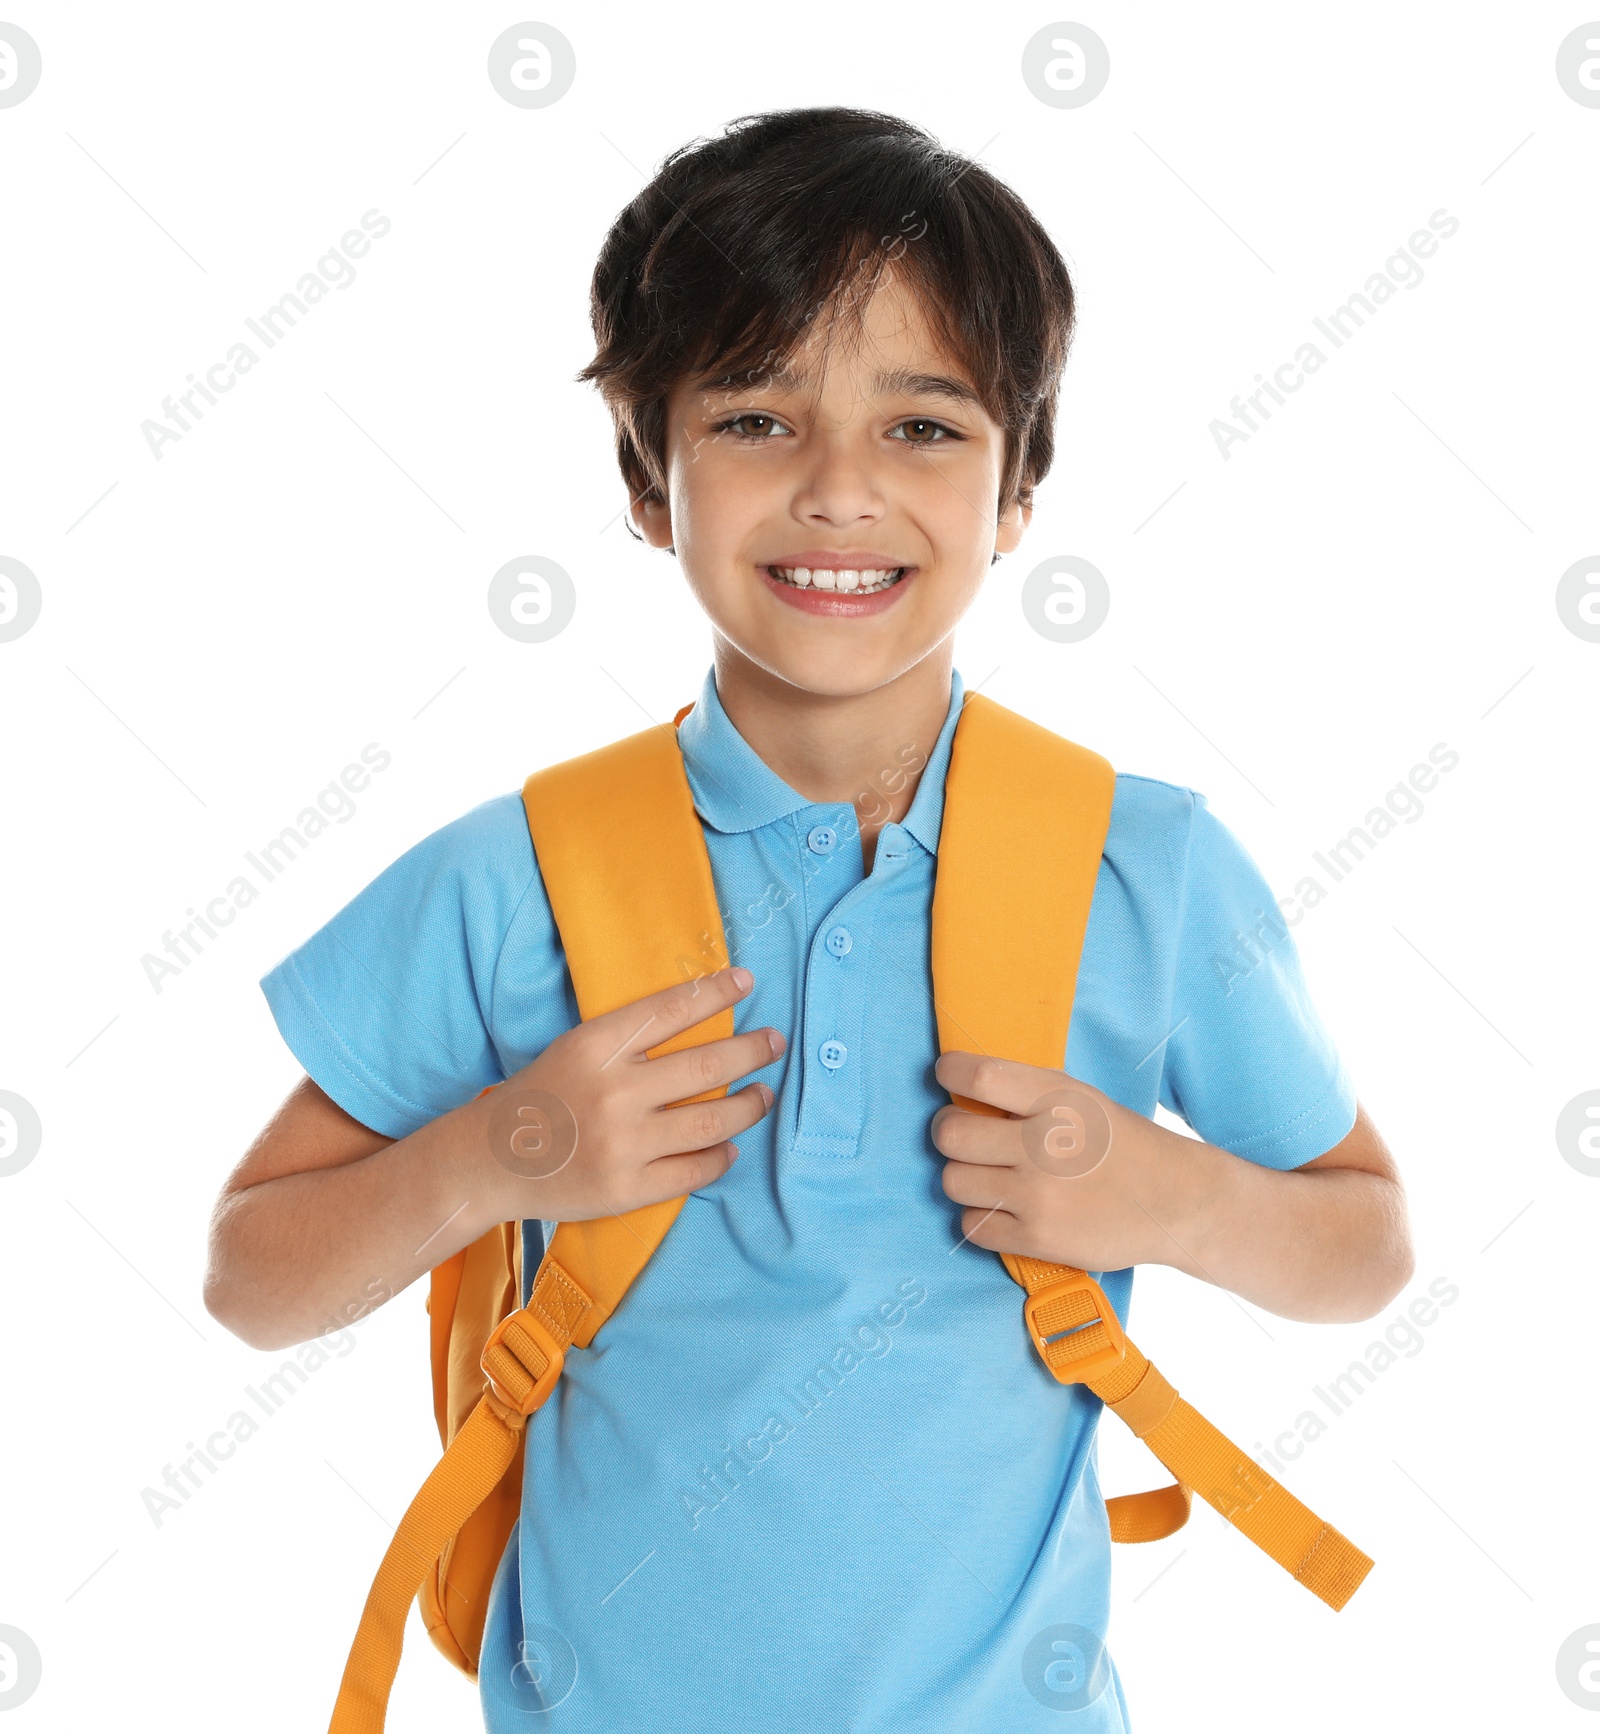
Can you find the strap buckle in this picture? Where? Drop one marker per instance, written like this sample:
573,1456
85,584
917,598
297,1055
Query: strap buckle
522,1361
1078,1335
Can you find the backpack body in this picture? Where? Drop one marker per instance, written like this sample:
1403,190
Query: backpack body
468,1296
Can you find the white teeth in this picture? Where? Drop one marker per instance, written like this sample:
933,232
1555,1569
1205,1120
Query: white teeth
860,581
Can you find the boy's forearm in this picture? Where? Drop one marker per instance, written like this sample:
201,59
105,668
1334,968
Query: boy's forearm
1323,1245
308,1252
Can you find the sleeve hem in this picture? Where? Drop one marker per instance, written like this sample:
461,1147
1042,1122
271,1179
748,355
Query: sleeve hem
1310,1134
329,1063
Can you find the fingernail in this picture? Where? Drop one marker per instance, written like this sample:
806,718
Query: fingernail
742,978
775,1042
766,1094
735,1156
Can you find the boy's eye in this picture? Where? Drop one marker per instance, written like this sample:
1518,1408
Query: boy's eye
925,432
761,426
756,425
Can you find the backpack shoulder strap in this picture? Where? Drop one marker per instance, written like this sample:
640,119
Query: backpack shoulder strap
1025,821
624,863
625,866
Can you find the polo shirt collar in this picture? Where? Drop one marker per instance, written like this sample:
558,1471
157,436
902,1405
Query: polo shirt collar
735,791
926,816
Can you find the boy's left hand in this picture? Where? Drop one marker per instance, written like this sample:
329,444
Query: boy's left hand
1064,1174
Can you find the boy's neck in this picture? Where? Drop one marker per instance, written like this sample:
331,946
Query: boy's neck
867,748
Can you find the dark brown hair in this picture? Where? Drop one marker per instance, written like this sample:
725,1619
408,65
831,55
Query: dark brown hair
720,266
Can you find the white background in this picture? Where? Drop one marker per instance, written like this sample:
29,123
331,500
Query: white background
1293,628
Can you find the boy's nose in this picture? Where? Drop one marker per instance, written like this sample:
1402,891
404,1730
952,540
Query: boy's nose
842,488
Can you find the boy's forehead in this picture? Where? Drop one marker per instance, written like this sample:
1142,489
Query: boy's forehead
883,343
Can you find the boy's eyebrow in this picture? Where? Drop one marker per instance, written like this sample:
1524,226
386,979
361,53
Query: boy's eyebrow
905,381
895,381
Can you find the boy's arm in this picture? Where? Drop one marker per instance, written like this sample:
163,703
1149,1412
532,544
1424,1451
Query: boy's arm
325,1219
1328,1242
1068,1175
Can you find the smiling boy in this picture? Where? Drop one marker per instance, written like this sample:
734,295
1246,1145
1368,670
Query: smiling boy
811,1474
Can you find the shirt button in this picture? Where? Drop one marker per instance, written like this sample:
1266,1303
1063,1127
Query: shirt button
832,1055
838,941
822,839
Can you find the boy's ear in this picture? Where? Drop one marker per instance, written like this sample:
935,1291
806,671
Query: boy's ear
1009,530
653,520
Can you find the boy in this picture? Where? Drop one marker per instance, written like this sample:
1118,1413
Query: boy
811,1473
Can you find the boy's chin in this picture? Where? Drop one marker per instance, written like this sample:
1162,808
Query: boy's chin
841,671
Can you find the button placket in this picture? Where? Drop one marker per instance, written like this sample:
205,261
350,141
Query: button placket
837,983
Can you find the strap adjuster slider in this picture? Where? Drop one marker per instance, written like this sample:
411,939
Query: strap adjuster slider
1078,1335
522,1361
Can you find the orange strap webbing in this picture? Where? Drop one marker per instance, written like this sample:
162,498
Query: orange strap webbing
522,1361
1026,815
1205,1461
633,919
625,866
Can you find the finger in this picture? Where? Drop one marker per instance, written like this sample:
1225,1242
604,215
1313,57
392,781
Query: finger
993,1230
975,1137
677,1176
645,1023
970,1183
708,1066
1006,1084
699,1125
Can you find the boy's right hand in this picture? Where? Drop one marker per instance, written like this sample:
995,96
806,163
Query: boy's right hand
588,1128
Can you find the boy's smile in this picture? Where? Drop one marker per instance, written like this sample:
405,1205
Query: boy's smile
838,582
836,517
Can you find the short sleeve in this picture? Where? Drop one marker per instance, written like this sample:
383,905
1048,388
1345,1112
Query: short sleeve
1248,1064
390,1007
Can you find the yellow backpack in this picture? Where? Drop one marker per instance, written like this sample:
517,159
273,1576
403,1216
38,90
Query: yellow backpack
632,921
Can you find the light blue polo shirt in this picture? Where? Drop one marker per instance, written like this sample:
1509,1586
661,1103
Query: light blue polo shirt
812,1474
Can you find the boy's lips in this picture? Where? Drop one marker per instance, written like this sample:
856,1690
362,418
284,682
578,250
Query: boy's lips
844,583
